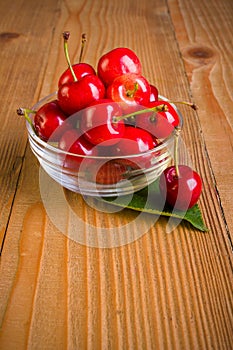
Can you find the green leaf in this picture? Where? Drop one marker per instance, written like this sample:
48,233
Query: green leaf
148,200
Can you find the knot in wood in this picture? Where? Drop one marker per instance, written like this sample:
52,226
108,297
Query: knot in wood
200,55
7,36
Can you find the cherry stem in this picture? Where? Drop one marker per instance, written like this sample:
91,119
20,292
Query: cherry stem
25,112
159,108
66,36
130,93
190,104
176,144
84,39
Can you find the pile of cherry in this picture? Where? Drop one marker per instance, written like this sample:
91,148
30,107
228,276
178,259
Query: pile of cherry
119,114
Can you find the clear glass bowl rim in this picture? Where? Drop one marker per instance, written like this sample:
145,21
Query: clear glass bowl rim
55,149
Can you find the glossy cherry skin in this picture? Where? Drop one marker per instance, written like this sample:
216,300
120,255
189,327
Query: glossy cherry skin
154,94
117,62
180,192
130,90
108,173
135,142
74,96
50,122
160,124
73,142
80,70
97,123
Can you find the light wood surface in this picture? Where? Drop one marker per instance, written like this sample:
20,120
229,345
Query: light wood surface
160,291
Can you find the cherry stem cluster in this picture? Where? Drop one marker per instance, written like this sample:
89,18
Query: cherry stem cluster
159,108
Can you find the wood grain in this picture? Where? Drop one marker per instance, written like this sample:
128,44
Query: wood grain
161,291
23,61
207,58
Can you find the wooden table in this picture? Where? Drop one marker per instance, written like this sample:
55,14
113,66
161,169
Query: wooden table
160,291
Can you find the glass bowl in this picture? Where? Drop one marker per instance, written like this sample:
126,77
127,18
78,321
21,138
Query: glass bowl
82,179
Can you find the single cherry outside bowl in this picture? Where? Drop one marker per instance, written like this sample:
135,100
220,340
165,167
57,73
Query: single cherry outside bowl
52,160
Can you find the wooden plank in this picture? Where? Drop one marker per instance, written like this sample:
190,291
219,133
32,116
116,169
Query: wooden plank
161,291
23,29
32,274
207,58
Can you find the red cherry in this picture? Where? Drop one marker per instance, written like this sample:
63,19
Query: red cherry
159,124
108,173
142,141
73,142
98,125
76,71
74,96
154,94
134,142
183,191
131,90
117,62
50,122
80,71
156,142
